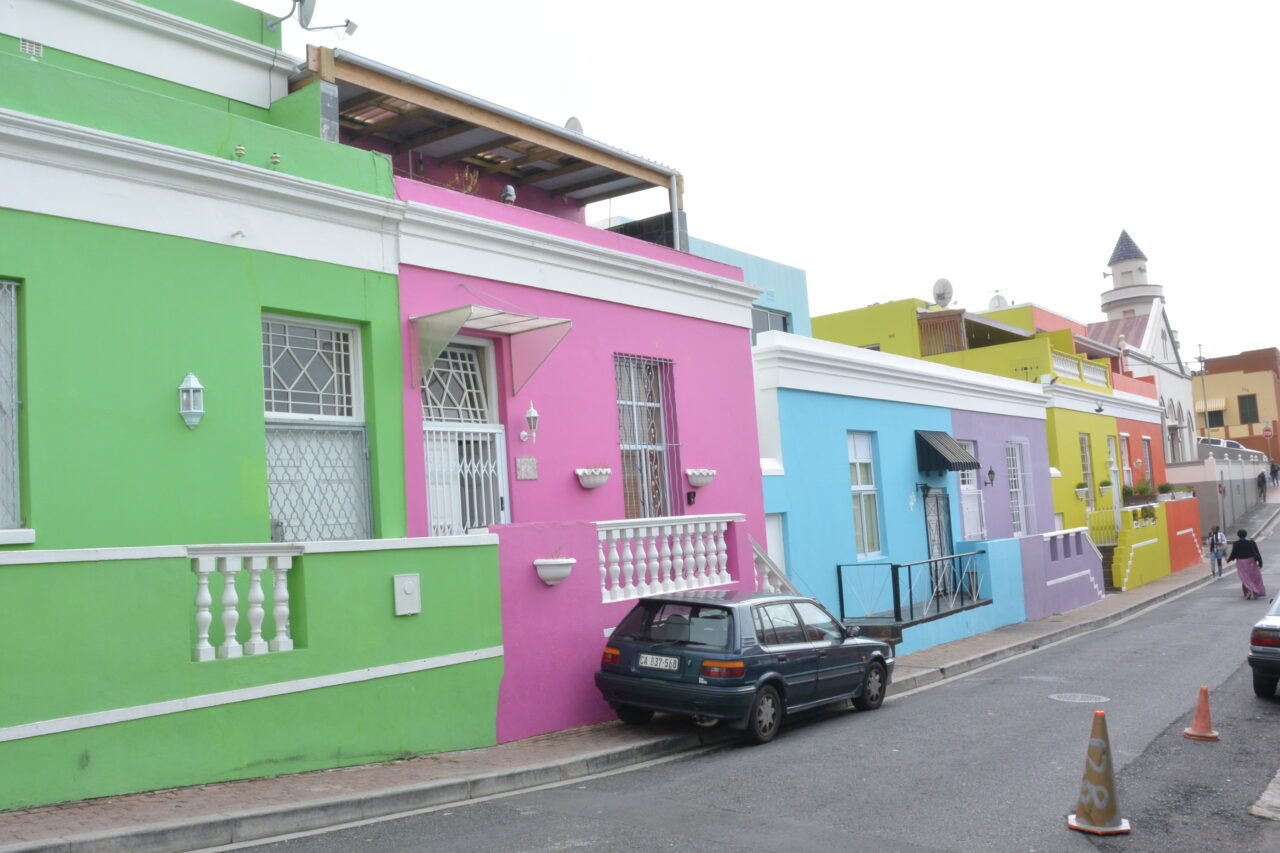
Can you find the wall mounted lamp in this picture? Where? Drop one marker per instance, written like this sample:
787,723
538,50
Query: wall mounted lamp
191,400
531,419
924,488
991,476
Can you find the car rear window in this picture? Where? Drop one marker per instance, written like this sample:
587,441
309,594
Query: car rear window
698,625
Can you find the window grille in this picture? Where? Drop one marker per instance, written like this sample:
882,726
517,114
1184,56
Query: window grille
453,389
647,435
309,369
866,509
1019,488
10,509
1086,469
317,482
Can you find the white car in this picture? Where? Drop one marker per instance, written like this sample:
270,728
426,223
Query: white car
1264,652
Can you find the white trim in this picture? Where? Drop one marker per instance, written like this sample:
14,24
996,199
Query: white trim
74,172
435,238
1128,569
243,694
1052,533
784,360
1084,574
157,552
149,41
17,536
1119,404
356,378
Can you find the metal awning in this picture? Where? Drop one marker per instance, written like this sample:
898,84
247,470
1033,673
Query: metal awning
937,451
1216,404
532,337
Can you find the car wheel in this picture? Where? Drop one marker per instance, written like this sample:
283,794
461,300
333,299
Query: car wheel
766,715
1263,686
872,695
633,716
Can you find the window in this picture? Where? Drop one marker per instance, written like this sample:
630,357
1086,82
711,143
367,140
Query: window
1248,408
1113,457
699,625
464,446
317,458
1146,460
647,435
1124,459
819,627
781,625
972,514
765,320
1215,418
1086,469
10,493
866,512
1020,507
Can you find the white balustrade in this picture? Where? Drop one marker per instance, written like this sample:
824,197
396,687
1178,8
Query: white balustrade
1094,374
228,563
646,556
1066,366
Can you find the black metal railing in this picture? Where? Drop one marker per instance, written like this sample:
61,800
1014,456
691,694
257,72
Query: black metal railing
907,592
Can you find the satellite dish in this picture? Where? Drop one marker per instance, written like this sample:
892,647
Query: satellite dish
573,124
942,292
998,301
306,8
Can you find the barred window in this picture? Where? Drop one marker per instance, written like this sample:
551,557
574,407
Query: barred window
647,435
1020,503
10,509
309,369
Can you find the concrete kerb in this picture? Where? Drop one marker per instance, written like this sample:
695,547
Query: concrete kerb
250,825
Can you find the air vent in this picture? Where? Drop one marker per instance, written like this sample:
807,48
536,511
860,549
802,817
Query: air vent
32,48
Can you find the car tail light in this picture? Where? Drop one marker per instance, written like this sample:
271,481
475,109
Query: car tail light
723,668
611,655
1264,637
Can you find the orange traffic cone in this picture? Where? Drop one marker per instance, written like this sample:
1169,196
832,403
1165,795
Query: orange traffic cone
1098,811
1201,726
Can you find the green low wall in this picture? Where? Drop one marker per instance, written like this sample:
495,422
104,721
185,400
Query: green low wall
116,636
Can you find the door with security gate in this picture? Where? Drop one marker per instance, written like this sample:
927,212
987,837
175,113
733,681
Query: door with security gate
937,524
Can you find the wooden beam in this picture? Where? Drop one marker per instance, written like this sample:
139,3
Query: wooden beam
478,148
427,137
557,173
602,179
320,62
355,102
495,121
517,162
303,82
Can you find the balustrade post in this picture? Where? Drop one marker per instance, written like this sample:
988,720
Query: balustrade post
229,567
203,567
664,539
677,559
722,552
283,640
655,566
642,563
690,559
255,645
700,553
614,567
628,567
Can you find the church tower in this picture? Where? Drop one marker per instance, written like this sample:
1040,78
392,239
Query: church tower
1130,294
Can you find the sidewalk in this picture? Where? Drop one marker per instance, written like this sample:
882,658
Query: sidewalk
229,812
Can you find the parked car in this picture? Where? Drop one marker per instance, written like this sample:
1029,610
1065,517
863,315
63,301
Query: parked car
1220,442
1264,652
748,659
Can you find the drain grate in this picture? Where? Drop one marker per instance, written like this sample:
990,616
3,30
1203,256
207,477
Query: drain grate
1078,697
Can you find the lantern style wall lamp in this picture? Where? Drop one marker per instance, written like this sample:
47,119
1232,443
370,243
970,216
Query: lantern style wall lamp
991,476
531,419
191,400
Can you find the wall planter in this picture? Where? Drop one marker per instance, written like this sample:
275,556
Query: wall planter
552,570
1081,493
699,477
1164,496
592,478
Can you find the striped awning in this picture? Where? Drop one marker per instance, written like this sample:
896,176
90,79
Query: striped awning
1216,404
937,451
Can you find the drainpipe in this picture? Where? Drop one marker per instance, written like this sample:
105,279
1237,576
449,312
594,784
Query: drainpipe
675,214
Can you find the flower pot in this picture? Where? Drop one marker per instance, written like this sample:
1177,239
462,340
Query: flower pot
552,570
592,478
1104,490
699,477
1164,497
1081,493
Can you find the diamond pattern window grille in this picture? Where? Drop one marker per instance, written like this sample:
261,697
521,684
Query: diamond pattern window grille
10,511
453,390
317,483
647,435
308,369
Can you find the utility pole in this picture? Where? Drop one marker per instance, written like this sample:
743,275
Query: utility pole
1204,390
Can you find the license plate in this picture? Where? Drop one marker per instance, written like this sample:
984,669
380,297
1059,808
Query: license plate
664,662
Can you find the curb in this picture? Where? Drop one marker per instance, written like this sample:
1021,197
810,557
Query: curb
258,824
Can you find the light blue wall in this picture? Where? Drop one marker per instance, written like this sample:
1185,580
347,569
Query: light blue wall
785,288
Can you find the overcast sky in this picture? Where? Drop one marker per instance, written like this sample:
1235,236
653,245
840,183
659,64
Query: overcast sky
880,146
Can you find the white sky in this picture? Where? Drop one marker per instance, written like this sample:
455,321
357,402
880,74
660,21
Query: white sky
882,145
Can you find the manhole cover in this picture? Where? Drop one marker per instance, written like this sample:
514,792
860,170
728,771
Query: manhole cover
1078,697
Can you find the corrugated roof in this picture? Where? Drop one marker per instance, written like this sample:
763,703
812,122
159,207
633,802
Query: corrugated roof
1109,332
1125,250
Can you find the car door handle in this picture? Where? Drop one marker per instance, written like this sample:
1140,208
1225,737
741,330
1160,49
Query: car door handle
782,658
822,653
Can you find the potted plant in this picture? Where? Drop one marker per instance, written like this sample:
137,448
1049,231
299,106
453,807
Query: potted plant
1127,493
1082,489
1104,487
1166,492
551,570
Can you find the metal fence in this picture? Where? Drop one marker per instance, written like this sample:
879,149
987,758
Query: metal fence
907,592
466,477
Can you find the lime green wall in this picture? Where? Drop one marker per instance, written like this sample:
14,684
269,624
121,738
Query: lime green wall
1142,552
1021,316
1064,427
892,326
80,91
130,644
110,322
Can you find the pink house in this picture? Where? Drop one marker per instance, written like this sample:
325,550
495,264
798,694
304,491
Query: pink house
585,395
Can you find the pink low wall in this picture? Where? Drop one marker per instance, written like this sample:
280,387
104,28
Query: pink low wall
553,635
1184,547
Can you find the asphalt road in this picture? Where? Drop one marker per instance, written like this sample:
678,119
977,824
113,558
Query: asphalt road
988,762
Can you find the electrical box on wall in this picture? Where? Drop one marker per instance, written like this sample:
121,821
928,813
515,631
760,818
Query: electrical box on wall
407,594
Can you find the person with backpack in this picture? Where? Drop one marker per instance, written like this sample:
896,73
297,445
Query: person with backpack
1217,550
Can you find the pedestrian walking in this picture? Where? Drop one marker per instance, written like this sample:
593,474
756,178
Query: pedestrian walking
1217,550
1275,473
1262,486
1248,560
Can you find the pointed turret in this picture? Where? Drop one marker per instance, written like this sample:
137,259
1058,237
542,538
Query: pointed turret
1126,250
1130,294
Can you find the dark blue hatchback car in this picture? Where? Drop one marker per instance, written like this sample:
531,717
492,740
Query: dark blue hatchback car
742,657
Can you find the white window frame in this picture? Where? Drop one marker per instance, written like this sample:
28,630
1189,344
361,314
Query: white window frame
1146,460
488,375
1124,456
971,497
1021,505
1086,468
356,378
11,530
862,493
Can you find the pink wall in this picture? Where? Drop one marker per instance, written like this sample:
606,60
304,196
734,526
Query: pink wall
553,635
1145,385
434,196
1051,322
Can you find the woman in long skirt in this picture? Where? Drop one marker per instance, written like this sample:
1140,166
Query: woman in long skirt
1248,560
